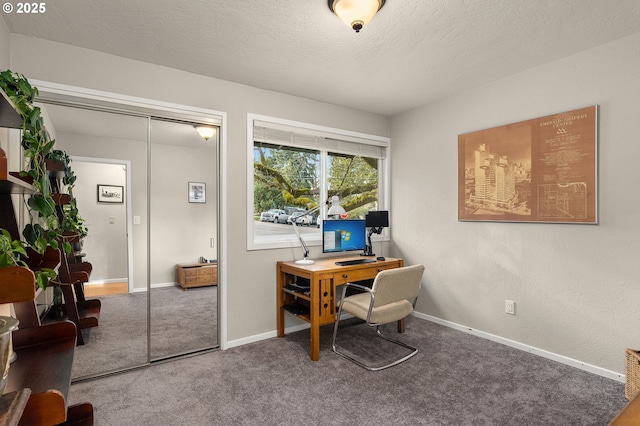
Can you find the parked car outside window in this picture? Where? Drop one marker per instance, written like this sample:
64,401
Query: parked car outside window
308,220
282,218
271,215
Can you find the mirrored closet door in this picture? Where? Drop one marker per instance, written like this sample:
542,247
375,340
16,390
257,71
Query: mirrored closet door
108,154
183,239
147,189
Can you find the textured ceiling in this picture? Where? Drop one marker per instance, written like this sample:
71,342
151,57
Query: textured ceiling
412,52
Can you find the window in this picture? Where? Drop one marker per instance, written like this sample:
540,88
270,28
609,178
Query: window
294,168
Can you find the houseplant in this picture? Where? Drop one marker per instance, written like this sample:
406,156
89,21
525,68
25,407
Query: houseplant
44,229
72,224
12,255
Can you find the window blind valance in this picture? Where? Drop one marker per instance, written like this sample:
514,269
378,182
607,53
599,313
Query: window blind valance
316,139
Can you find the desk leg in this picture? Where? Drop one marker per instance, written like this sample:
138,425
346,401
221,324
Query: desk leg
315,342
315,320
280,303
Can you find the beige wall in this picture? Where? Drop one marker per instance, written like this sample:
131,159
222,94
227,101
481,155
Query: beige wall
4,64
180,231
4,46
576,287
250,275
4,133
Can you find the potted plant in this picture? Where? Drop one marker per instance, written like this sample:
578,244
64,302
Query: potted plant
12,264
43,230
72,225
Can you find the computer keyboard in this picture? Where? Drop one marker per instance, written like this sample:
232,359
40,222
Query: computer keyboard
354,262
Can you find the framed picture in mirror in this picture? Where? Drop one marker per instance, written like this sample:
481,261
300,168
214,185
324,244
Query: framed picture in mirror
197,192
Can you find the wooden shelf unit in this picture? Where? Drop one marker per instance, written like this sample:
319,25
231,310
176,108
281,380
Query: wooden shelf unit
72,274
44,352
9,116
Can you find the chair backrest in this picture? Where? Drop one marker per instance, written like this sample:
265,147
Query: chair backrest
397,284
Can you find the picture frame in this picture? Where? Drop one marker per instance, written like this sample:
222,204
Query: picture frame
197,192
111,194
542,170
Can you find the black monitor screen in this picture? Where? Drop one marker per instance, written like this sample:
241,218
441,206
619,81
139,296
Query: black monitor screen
343,235
377,219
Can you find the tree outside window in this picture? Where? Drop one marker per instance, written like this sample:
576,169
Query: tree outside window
355,180
295,166
289,178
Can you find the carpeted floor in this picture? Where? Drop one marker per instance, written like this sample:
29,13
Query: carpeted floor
455,379
180,321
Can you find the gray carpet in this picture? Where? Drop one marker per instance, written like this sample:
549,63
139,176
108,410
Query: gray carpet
180,321
455,379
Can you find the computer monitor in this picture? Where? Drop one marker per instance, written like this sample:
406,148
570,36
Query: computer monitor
377,219
343,235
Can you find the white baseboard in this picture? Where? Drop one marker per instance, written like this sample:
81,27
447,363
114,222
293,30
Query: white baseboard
619,377
157,285
138,290
536,351
264,336
108,281
161,285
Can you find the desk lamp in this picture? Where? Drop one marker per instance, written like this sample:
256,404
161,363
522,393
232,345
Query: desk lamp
375,221
335,210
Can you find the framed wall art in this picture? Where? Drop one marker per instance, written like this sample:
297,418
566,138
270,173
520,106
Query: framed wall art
110,194
197,192
539,170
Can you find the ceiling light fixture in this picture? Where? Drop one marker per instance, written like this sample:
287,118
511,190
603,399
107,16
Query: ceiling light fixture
356,13
206,131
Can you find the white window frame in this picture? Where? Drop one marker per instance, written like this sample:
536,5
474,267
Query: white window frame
290,240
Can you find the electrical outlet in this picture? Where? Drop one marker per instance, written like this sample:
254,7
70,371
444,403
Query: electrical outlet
510,307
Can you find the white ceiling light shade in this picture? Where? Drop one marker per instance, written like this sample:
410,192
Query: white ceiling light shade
356,13
206,131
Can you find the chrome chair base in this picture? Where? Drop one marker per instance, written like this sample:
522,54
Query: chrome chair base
334,347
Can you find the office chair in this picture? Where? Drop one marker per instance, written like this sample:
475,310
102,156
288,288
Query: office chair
391,298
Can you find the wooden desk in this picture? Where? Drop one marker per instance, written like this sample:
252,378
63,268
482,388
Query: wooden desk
318,305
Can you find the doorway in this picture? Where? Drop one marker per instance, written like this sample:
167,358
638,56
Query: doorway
110,228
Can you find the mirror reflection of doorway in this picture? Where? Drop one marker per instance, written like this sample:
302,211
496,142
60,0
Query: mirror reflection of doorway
107,248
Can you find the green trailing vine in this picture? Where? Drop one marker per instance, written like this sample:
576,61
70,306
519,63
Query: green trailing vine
72,222
13,251
10,250
44,228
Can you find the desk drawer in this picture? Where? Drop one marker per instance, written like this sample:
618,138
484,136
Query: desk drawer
349,276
